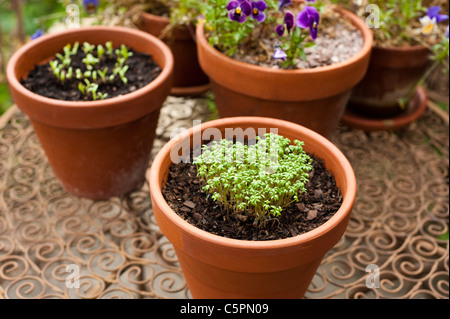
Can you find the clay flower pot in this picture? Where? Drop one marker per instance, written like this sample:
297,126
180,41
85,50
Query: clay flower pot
97,149
392,75
315,98
188,77
219,267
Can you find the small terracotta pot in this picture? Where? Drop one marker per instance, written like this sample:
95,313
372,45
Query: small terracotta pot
188,77
97,149
219,267
392,75
315,98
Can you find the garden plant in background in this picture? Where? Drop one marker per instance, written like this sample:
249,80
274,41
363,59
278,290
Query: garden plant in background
296,61
21,21
174,22
255,19
411,42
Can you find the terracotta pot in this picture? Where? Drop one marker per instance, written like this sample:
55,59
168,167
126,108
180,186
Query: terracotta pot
188,77
315,98
218,267
97,149
392,75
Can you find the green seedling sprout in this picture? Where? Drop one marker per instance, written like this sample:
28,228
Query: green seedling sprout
69,50
92,88
121,72
90,61
62,76
75,48
109,48
102,74
65,60
100,51
82,88
124,52
78,74
88,48
70,73
55,67
120,62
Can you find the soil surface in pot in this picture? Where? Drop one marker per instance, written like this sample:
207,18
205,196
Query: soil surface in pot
142,70
337,41
183,192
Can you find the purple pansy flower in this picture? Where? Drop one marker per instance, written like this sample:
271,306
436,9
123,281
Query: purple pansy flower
309,18
284,3
279,54
239,10
287,25
433,12
446,32
37,34
257,10
91,5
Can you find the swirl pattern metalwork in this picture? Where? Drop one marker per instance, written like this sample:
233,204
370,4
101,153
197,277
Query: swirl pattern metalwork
55,245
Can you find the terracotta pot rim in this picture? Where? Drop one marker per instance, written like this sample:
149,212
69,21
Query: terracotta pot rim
191,91
417,107
161,78
405,49
156,17
363,52
338,217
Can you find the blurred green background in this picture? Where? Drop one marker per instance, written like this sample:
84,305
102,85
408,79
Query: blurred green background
36,14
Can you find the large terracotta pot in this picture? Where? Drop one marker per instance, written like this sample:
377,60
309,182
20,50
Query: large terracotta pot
97,149
392,75
188,77
218,267
315,98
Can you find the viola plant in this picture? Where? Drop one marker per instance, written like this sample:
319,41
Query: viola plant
92,74
293,36
91,6
402,22
230,22
233,23
258,181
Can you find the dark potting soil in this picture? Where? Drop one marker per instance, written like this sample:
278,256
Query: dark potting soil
142,70
183,192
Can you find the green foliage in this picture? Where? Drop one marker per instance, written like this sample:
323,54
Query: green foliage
396,17
440,53
5,98
184,12
226,35
259,180
294,46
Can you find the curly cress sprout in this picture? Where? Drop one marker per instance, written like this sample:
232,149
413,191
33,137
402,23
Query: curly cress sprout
259,180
